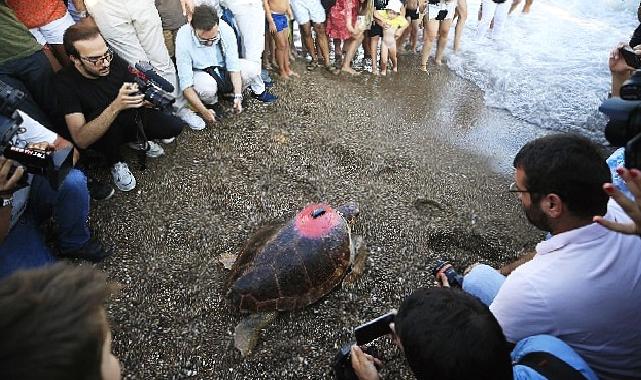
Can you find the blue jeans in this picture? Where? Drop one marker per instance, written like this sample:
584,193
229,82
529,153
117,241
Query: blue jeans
24,246
33,76
483,282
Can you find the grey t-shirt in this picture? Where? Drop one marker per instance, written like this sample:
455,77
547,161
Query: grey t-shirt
171,14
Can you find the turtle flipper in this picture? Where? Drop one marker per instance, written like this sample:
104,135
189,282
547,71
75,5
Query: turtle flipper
248,330
358,263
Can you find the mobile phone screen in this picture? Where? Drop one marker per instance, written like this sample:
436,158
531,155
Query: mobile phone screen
630,57
633,153
374,329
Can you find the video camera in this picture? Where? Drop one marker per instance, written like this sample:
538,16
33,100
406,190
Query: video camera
624,127
364,334
53,165
157,90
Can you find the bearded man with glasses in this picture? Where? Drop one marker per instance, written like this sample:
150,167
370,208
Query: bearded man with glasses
208,64
102,105
583,285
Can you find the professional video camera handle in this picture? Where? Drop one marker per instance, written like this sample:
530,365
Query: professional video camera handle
53,165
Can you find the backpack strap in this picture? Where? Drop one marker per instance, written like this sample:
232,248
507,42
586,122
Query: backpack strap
550,366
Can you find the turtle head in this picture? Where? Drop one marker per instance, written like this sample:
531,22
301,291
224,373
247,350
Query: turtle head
350,211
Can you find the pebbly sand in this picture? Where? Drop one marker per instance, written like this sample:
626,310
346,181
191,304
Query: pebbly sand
428,163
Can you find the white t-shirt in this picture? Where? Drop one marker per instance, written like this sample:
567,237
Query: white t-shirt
30,132
584,287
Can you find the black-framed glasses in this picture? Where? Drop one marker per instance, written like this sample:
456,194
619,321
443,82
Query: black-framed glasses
207,41
515,189
97,61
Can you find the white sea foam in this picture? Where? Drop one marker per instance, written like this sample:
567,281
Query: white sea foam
549,67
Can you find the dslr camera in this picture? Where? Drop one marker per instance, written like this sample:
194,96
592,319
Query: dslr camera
157,90
624,127
53,165
364,334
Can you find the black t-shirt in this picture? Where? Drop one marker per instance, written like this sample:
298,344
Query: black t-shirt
380,4
636,37
91,96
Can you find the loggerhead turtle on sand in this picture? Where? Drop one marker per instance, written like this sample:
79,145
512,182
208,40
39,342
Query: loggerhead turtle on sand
289,266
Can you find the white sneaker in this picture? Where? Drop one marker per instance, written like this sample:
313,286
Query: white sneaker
168,141
190,117
123,179
154,151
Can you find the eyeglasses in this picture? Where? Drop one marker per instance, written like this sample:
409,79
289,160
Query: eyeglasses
98,61
515,189
208,41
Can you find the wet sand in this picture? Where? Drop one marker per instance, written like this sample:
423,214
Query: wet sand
427,162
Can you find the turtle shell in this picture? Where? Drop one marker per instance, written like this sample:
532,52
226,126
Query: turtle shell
290,266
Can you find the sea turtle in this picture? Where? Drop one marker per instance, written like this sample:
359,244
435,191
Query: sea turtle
288,266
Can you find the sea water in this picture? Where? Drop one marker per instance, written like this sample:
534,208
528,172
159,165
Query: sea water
549,67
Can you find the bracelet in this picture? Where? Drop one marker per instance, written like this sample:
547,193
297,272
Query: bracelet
238,96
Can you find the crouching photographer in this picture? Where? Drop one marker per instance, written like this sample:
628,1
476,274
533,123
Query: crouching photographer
38,185
448,334
107,104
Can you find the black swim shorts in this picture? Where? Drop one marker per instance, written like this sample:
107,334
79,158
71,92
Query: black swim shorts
412,14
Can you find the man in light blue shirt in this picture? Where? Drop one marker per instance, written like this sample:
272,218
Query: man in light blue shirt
208,63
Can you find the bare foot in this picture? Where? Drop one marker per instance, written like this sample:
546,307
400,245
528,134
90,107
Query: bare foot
283,76
384,73
438,62
350,71
294,74
424,68
395,69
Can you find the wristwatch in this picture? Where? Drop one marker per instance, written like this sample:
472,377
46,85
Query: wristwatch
238,96
7,202
82,14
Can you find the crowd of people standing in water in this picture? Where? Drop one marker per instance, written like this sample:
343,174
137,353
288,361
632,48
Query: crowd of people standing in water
73,62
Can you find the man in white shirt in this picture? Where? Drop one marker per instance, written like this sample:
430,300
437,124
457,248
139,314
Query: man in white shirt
584,283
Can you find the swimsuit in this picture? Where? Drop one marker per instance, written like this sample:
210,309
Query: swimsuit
433,10
281,21
412,14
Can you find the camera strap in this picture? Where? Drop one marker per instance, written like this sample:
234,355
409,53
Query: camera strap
550,366
141,138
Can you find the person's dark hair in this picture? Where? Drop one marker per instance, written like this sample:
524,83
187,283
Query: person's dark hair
571,167
204,17
449,335
52,323
78,32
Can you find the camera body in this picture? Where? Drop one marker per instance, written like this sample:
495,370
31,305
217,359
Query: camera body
157,90
364,334
453,277
624,127
53,165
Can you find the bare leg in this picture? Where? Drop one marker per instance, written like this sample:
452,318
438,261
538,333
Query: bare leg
322,41
384,58
374,51
461,13
352,46
444,30
338,52
392,55
414,34
528,5
429,35
282,53
308,41
515,4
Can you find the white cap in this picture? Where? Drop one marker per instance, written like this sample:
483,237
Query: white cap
394,5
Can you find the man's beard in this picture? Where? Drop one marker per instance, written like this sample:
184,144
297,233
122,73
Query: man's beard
537,217
97,73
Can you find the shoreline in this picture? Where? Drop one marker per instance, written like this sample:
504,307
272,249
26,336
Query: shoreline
404,147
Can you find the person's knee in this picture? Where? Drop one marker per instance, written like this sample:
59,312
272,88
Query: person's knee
74,183
319,28
208,96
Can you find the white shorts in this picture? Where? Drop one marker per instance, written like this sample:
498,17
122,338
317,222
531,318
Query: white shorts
53,32
432,10
308,10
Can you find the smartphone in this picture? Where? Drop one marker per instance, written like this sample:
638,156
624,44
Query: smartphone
633,153
630,57
373,329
